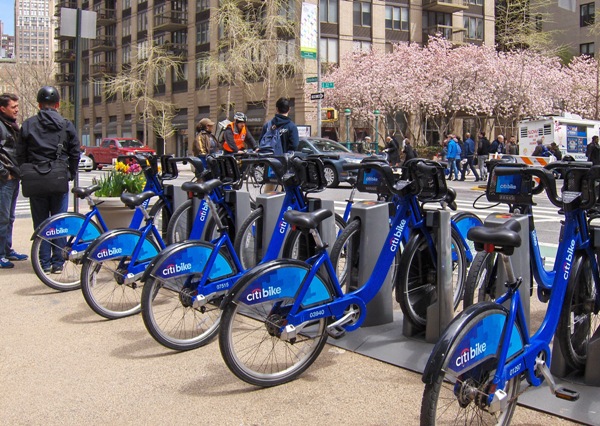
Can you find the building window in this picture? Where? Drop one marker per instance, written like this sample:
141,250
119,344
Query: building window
396,18
473,28
362,14
202,67
587,49
98,90
142,21
126,4
476,2
202,32
328,50
586,14
202,5
285,51
362,46
182,74
126,51
126,27
328,11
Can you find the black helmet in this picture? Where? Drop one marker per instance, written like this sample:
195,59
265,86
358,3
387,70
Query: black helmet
48,95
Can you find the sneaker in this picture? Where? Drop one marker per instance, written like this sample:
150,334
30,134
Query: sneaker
56,269
13,255
47,270
5,263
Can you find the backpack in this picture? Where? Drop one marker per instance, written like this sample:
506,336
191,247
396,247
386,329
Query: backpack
220,132
272,139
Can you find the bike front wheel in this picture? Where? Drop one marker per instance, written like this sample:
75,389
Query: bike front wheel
461,398
416,288
578,319
250,337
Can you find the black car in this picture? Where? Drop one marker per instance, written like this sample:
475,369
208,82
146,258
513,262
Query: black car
338,153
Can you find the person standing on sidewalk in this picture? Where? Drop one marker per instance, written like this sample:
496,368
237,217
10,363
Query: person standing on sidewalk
483,152
9,178
40,136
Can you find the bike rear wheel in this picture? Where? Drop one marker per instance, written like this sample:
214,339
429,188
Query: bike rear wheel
578,321
248,243
481,280
180,225
459,399
249,337
301,246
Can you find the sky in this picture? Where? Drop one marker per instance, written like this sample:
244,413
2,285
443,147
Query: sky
7,16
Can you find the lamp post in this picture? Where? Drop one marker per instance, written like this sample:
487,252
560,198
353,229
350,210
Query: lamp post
376,114
347,113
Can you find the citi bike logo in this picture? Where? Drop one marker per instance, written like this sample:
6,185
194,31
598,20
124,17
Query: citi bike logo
283,224
469,354
511,186
204,212
56,231
109,252
569,260
263,293
173,269
371,179
397,235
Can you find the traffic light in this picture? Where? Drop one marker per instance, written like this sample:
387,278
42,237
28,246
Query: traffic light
330,114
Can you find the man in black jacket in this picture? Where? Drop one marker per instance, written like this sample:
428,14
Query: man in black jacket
483,152
40,137
9,178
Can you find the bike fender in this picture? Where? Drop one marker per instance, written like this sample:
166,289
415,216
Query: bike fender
65,225
119,243
277,279
188,258
449,336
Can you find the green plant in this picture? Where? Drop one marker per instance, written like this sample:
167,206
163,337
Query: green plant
123,178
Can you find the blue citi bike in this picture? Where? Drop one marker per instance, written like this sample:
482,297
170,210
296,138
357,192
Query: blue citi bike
414,270
65,237
278,316
486,357
185,284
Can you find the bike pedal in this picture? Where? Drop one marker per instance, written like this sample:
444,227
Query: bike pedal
336,333
567,394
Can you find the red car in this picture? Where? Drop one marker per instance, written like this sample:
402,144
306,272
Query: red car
111,148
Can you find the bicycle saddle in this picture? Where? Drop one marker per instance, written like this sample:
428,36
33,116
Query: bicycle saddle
82,192
200,189
134,200
306,220
501,239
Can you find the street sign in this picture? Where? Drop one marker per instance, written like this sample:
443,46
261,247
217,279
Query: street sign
317,96
312,79
327,84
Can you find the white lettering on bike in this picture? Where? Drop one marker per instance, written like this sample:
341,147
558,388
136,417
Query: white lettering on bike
317,313
109,252
262,293
469,354
395,242
173,269
569,260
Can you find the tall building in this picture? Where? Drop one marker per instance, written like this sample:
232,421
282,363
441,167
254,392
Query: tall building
8,46
34,36
126,26
570,23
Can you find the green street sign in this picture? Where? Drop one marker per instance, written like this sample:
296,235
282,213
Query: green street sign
312,79
327,84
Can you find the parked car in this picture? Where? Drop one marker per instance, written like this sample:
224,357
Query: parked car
112,148
86,163
337,154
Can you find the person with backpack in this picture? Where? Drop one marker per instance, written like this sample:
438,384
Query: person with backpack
42,137
9,178
280,133
236,136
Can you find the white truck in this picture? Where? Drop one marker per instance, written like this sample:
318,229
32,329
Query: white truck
571,134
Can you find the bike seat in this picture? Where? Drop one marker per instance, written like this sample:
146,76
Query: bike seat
134,200
501,239
308,220
82,192
200,190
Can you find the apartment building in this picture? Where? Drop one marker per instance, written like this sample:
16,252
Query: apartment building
570,23
34,36
125,25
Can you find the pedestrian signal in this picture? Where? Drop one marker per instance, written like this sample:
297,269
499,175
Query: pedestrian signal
330,114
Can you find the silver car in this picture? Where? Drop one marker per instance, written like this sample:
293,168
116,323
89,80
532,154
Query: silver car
86,163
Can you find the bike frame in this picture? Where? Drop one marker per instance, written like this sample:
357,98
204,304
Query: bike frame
575,238
201,218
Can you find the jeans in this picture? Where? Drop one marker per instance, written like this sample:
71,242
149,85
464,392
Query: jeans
468,164
9,191
452,166
481,163
41,209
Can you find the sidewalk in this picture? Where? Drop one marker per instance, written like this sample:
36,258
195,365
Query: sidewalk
63,364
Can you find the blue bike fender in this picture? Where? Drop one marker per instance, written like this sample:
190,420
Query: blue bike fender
65,225
119,243
188,258
440,351
277,279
